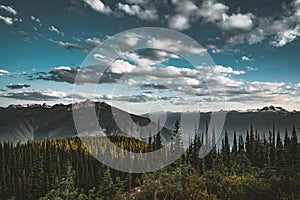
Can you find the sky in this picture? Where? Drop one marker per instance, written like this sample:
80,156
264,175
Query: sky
246,56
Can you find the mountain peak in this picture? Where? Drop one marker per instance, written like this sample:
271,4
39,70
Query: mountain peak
272,108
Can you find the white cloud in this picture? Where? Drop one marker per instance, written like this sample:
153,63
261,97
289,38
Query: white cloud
121,66
186,7
7,20
142,58
213,12
271,86
164,54
283,28
103,59
209,11
55,30
98,6
179,80
186,13
52,93
4,72
135,10
35,19
251,68
138,60
93,41
63,68
237,21
131,39
246,58
9,9
286,36
179,22
218,69
174,46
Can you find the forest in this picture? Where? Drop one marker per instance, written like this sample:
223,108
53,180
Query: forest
256,167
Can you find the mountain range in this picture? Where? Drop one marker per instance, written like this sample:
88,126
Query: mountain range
263,120
20,123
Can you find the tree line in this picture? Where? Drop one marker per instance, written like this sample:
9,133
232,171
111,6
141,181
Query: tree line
258,166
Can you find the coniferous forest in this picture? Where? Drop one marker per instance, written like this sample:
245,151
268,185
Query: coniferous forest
256,167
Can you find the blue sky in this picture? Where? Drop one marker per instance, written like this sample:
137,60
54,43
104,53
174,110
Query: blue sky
254,46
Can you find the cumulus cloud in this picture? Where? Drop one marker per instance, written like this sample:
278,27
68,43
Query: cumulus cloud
188,86
179,22
220,76
121,66
98,6
136,10
187,12
237,21
55,30
246,58
282,29
93,41
17,86
286,36
9,9
214,12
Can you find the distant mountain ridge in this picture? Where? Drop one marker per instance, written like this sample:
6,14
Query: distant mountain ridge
20,123
39,121
262,119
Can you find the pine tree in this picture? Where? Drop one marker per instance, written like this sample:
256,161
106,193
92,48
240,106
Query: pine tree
234,146
177,133
36,187
106,187
241,144
150,141
286,148
157,138
279,151
294,148
226,150
248,146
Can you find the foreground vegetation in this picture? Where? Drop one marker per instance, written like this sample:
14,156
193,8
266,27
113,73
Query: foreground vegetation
257,167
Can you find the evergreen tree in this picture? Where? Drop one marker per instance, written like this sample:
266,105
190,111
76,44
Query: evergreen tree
279,151
36,187
106,186
241,144
177,134
234,146
226,150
